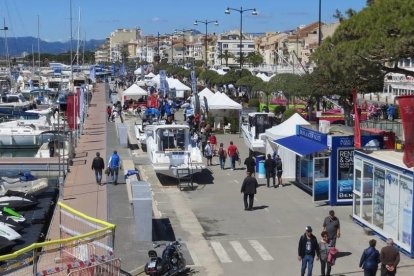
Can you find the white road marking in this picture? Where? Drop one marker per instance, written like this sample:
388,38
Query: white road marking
236,181
244,256
264,254
220,252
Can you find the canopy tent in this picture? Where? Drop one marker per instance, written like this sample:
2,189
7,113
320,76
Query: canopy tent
150,75
206,93
173,83
262,76
285,129
137,71
222,102
134,90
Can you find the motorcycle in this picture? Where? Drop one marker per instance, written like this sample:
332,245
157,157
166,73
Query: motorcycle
172,261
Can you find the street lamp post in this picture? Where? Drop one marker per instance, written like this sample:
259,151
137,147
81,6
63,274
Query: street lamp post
319,25
206,22
183,31
241,11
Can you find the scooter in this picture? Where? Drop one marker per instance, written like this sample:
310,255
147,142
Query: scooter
171,263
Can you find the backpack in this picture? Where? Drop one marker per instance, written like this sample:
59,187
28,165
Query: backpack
115,161
222,153
332,255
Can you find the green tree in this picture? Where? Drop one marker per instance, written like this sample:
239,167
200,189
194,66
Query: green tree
254,58
249,82
124,53
226,56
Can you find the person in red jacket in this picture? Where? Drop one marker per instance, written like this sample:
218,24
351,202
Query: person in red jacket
213,143
233,153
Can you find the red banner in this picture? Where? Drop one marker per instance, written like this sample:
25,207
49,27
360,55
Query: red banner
70,107
406,104
357,130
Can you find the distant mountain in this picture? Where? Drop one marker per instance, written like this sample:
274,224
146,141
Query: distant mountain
18,45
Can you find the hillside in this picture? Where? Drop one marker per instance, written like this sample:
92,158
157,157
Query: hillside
18,45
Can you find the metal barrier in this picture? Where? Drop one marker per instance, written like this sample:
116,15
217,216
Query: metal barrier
108,268
82,240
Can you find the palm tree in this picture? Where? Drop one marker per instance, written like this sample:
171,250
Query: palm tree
226,55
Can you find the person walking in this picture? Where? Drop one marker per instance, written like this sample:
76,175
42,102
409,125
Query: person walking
222,153
109,112
324,249
270,169
204,139
307,249
233,154
249,189
390,258
114,164
279,170
370,259
391,112
208,153
250,163
332,225
98,165
213,143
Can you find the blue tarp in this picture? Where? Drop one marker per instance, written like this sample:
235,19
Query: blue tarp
301,146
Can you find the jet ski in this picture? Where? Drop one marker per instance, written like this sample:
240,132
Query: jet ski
8,233
16,184
10,213
5,245
8,221
18,200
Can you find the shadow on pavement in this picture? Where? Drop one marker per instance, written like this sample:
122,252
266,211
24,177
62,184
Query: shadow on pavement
259,207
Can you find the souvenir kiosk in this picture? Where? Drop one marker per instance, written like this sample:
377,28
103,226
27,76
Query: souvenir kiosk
383,196
324,163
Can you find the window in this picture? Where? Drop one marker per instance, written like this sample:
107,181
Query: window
250,46
225,45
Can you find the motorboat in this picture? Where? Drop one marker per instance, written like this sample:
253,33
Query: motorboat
64,149
18,185
17,201
20,136
150,117
170,151
14,101
6,246
254,128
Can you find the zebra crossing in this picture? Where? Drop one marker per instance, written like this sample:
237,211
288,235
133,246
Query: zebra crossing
246,252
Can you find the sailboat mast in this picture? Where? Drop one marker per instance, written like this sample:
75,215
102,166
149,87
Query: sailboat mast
33,59
78,45
83,49
71,38
6,47
38,41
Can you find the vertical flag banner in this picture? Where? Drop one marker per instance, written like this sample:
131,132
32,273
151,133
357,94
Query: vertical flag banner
121,69
69,110
357,130
113,69
92,74
193,81
406,104
142,72
163,80
82,104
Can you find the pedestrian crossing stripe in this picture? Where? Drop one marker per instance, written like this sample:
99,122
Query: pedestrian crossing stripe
244,256
242,253
220,252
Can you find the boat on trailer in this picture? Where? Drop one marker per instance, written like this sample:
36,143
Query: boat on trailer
171,152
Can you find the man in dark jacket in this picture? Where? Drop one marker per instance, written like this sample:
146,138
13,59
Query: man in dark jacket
98,165
390,258
248,189
250,164
307,249
370,259
270,168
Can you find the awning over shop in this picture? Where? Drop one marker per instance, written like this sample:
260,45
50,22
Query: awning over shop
299,145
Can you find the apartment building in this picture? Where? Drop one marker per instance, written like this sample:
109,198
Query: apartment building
120,37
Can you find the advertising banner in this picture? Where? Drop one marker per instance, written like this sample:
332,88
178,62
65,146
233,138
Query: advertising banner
113,69
407,111
391,200
345,169
406,212
379,189
321,179
193,81
70,106
92,74
163,80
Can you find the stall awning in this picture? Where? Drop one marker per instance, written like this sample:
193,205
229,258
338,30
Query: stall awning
299,145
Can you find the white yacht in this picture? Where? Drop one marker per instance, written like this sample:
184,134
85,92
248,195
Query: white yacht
254,129
171,152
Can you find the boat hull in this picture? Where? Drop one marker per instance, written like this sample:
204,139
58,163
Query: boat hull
180,171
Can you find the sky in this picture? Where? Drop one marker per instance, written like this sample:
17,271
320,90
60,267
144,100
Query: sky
98,18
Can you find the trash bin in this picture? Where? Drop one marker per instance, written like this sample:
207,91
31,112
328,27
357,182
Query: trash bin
258,159
261,172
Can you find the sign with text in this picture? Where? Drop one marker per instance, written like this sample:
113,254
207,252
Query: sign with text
345,169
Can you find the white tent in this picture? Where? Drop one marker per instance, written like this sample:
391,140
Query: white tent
206,93
137,71
173,83
222,102
134,90
285,129
150,75
264,77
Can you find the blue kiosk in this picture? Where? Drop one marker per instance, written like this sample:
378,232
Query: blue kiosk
324,163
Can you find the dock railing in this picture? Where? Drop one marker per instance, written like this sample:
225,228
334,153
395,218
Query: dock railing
83,241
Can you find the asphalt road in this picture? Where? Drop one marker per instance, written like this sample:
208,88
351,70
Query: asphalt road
222,239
